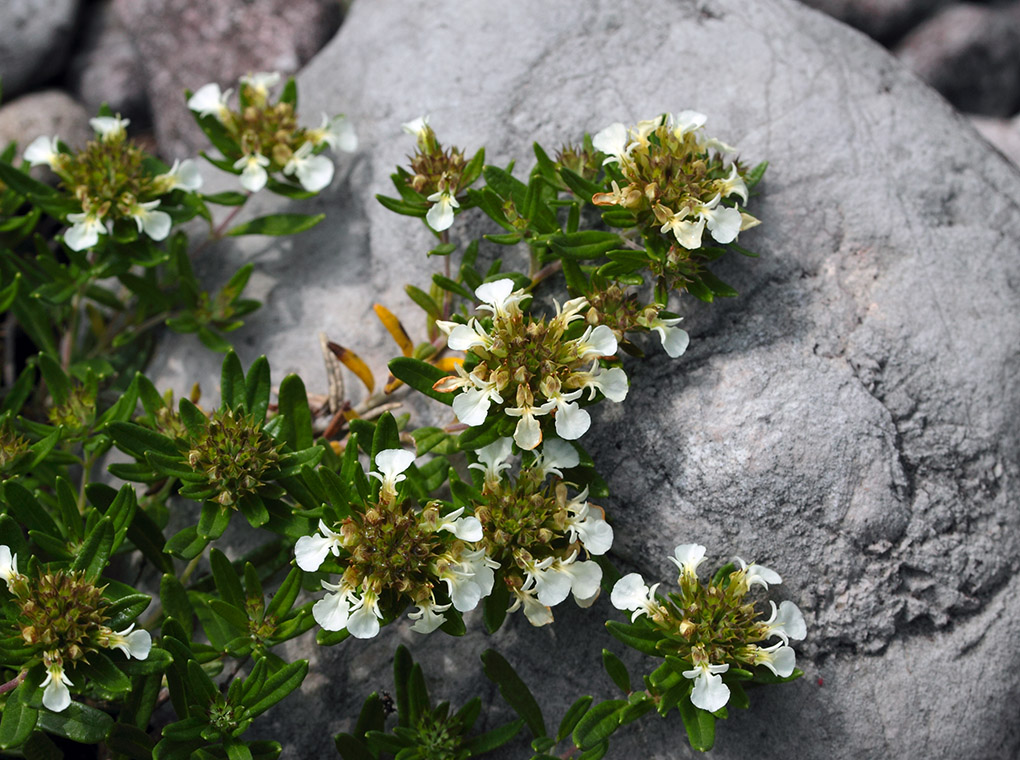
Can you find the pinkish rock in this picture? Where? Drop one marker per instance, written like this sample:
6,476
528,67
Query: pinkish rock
51,112
970,54
1004,134
185,45
35,36
883,20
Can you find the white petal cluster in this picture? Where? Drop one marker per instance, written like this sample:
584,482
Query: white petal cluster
343,608
311,551
709,692
85,231
56,695
43,150
209,100
631,594
183,174
155,224
110,128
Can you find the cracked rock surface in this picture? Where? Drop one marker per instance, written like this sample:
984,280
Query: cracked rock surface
849,420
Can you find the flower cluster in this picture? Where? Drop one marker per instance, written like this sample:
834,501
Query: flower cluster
264,137
530,367
712,627
621,311
62,618
673,173
536,532
113,183
437,174
393,553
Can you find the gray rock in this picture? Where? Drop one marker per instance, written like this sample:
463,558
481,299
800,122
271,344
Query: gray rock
51,112
184,46
107,68
34,41
849,420
883,20
1004,134
971,54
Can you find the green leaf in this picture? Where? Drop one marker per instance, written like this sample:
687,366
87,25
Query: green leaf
421,376
700,725
135,440
574,713
57,382
41,747
598,724
424,300
131,741
586,244
21,183
402,666
78,722
175,601
295,416
635,636
225,577
95,552
616,670
277,224
18,718
514,690
257,388
213,520
407,208
453,287
229,198
100,669
278,686
232,382
493,739
386,435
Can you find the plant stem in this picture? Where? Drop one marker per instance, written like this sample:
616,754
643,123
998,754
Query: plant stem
10,685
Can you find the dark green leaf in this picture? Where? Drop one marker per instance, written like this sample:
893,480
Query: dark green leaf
18,718
586,244
228,198
598,724
175,601
514,690
700,725
95,552
296,425
277,224
495,738
616,670
421,376
278,686
575,712
78,722
636,636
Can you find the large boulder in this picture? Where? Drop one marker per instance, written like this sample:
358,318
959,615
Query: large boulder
35,37
849,420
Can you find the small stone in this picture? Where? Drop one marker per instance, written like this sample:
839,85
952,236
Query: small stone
970,54
35,37
50,112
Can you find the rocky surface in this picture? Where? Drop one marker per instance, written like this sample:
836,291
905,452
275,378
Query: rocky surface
184,45
34,41
1004,134
849,420
971,54
883,20
50,112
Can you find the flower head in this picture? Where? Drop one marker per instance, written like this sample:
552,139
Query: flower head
110,128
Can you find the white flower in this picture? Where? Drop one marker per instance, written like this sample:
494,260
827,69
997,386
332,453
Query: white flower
556,455
779,658
612,141
500,298
8,565
536,612
723,222
596,341
85,232
551,586
43,150
687,233
209,101
334,609
416,127
155,224
440,216
674,339
595,534
56,696
528,433
253,174
787,622
570,311
709,693
612,382
310,551
492,460
391,464
688,557
313,172
631,593
758,575
572,421
365,615
472,406
261,82
465,528
183,174
428,616
585,578
686,121
468,579
132,643
733,185
110,128
337,132
464,337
